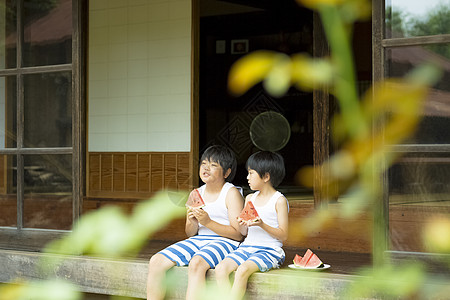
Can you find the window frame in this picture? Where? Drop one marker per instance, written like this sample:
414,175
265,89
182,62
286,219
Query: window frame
33,239
381,209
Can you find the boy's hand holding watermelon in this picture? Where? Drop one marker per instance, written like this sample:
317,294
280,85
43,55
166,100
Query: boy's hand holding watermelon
190,215
195,200
194,204
249,216
201,215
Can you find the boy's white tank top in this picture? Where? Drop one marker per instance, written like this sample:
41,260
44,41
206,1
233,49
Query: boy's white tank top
216,210
257,236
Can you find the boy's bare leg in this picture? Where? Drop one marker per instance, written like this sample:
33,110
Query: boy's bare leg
241,278
196,277
223,271
157,268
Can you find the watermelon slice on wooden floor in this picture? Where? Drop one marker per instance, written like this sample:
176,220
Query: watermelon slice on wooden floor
195,200
249,213
297,260
309,260
314,262
306,258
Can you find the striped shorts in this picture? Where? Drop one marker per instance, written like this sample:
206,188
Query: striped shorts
212,248
265,258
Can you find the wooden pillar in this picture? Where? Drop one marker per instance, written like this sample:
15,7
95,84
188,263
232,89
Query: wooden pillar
321,114
195,91
381,204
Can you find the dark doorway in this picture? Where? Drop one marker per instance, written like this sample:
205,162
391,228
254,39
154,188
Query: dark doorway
229,30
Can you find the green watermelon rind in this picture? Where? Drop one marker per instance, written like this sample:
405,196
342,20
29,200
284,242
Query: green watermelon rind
201,206
248,221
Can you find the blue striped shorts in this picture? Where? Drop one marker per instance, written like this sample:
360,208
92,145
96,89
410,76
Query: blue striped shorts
265,257
212,248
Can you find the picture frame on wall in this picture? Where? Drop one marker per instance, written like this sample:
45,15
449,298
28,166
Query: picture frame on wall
239,46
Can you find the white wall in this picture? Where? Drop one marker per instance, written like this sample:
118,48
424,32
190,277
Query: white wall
139,75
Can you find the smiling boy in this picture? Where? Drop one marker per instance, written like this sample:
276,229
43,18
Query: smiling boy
213,230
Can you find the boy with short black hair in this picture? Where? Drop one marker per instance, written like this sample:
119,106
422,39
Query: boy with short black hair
213,230
261,250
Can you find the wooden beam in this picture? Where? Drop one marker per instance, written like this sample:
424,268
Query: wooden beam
128,277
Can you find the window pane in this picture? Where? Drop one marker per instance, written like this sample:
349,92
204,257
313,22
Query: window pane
408,18
47,32
419,192
434,127
8,196
8,34
48,110
8,112
48,191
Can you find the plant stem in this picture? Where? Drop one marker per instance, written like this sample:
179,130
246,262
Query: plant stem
345,83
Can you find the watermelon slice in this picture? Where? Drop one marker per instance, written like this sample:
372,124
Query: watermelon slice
306,258
249,213
195,200
297,260
314,262
310,260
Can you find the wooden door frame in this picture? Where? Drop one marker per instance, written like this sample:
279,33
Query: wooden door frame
321,103
195,92
321,115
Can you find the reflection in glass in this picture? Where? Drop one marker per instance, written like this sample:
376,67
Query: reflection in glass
409,18
48,110
8,196
47,32
8,109
48,191
8,34
435,124
419,191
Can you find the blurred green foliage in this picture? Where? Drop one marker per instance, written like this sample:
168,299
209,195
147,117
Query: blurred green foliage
364,129
354,169
107,232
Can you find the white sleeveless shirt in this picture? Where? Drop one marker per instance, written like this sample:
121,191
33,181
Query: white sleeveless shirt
256,236
216,210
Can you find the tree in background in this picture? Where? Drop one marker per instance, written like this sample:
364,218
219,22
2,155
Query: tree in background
436,21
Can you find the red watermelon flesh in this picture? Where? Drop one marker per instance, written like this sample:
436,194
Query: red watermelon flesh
195,200
310,260
249,213
297,260
306,258
314,262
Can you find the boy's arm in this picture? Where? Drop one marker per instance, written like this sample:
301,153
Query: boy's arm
243,227
191,227
281,232
234,203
